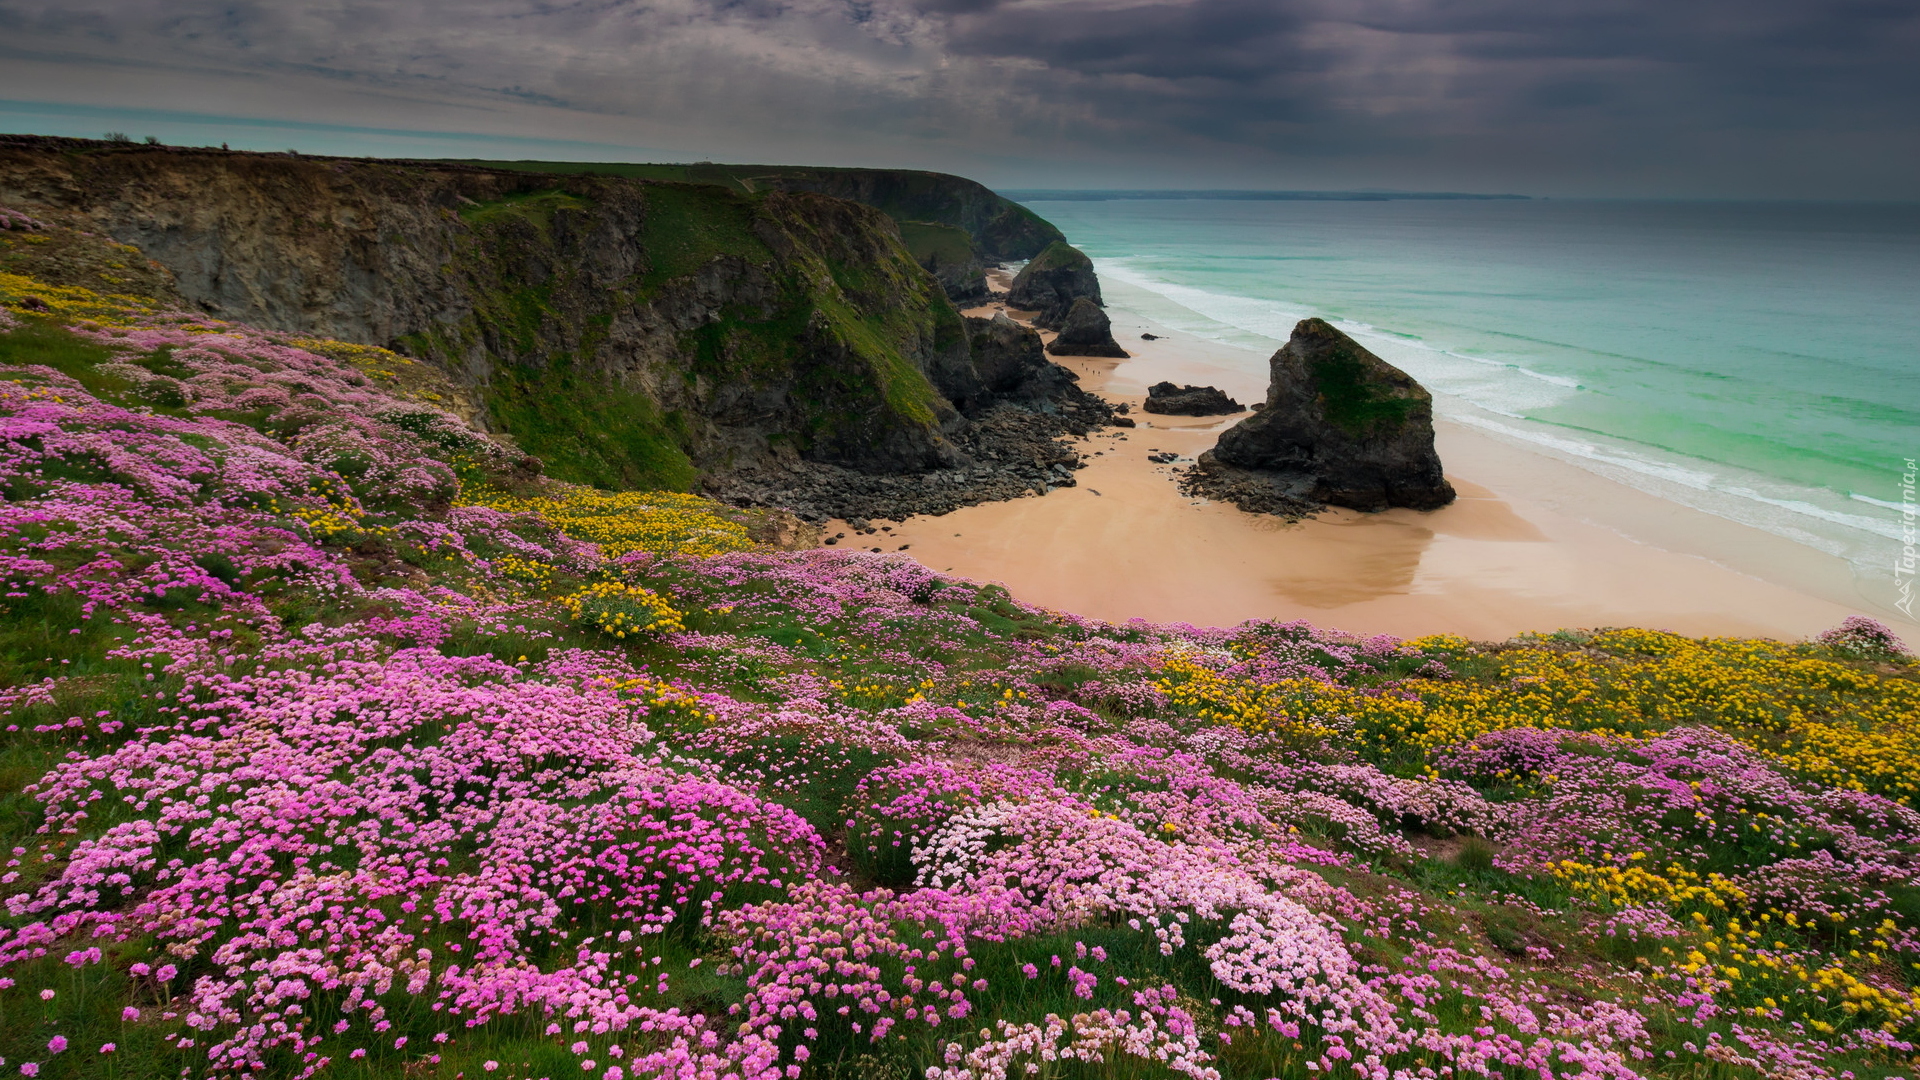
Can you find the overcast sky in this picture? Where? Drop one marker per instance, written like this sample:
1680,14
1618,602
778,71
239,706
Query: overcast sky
1740,98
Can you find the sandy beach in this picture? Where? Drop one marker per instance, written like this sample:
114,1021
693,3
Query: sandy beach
1532,544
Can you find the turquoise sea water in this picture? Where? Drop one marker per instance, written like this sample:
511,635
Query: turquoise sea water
1760,361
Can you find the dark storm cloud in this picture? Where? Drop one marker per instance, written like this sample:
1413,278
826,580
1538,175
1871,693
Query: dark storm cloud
1644,96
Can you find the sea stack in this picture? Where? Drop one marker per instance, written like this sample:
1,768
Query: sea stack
1051,282
1340,427
1086,331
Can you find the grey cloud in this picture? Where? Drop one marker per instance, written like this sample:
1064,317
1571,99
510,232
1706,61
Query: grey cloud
1635,94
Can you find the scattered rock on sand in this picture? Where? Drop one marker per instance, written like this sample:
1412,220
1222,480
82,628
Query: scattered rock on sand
1341,426
1170,400
1086,331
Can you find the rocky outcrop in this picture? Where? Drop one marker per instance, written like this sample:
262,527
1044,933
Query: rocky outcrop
1086,331
1171,400
1011,363
1341,427
1050,283
631,333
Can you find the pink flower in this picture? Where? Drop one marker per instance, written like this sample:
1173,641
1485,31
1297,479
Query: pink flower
491,1066
29,1068
399,1042
56,1044
130,1014
107,1048
46,995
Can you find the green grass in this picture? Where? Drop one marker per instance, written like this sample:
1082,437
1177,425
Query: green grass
589,429
688,226
534,207
37,342
1058,255
931,243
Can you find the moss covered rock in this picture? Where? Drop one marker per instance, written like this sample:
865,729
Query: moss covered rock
1340,427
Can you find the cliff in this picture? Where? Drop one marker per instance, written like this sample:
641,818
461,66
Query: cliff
1340,427
993,229
629,332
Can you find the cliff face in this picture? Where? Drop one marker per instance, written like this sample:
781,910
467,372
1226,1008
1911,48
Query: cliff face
631,333
1340,426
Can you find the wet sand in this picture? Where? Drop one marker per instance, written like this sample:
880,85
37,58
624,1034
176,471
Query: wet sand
1531,544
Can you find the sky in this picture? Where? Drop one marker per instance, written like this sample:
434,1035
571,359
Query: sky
1802,99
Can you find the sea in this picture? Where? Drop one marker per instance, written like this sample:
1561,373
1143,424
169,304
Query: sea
1757,361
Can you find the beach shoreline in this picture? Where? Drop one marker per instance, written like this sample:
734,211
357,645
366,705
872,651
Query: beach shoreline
1533,544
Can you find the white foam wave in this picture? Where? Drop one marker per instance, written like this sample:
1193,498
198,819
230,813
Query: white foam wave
1900,508
1700,480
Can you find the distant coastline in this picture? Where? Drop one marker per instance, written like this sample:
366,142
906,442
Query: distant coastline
1046,195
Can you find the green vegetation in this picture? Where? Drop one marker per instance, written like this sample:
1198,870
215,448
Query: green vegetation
996,225
1351,398
588,429
931,243
1059,255
534,207
688,227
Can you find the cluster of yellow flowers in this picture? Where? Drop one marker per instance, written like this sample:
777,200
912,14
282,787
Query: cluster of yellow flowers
338,519
665,701
662,522
520,568
70,303
1753,964
879,692
622,610
1619,887
1831,721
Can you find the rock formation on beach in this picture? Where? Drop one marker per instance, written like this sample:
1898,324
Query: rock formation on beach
1341,427
1051,282
1086,331
1171,400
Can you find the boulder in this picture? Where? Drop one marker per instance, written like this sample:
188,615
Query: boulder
1086,332
1050,283
1010,363
1340,427
1170,400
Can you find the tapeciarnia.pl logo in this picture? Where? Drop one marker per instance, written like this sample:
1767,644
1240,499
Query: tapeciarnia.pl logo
1903,567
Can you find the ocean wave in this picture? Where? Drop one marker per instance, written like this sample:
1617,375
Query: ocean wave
1705,481
1461,374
